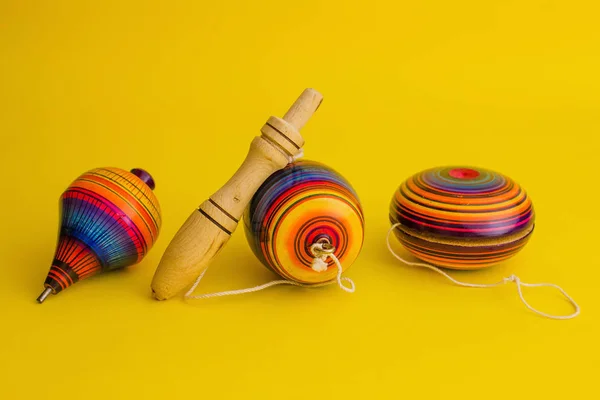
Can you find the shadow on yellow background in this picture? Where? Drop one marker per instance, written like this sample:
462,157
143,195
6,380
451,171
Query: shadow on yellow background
181,88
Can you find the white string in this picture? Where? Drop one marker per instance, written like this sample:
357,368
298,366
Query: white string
297,156
511,278
319,253
291,159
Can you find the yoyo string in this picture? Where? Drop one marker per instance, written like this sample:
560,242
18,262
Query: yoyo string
321,251
511,278
290,159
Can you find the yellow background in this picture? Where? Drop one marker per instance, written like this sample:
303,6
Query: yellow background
181,88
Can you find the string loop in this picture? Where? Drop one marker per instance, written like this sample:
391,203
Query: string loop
320,252
512,278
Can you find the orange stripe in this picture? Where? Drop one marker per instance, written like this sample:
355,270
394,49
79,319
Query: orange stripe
465,216
455,221
465,263
145,226
122,190
58,277
506,197
145,195
450,253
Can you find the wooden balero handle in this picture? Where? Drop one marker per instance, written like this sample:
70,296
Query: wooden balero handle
209,227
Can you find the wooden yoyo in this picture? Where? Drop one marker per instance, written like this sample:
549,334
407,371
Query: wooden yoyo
209,227
462,217
465,218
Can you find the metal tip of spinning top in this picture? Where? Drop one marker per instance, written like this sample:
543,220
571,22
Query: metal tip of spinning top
44,294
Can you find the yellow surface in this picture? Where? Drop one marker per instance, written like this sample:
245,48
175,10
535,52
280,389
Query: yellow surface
181,89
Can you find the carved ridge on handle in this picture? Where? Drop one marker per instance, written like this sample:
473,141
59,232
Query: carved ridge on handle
214,222
214,203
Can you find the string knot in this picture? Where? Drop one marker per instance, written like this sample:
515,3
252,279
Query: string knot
319,264
322,250
512,278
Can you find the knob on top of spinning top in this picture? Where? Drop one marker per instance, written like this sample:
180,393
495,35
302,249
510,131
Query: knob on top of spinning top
462,217
109,219
304,203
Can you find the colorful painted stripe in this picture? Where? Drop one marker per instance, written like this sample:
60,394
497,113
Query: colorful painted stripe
110,218
294,208
462,217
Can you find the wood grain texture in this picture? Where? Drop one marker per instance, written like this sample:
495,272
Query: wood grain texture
208,228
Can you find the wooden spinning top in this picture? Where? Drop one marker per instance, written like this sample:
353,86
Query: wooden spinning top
110,219
209,227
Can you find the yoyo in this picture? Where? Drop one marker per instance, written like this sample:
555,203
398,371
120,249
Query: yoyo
464,218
